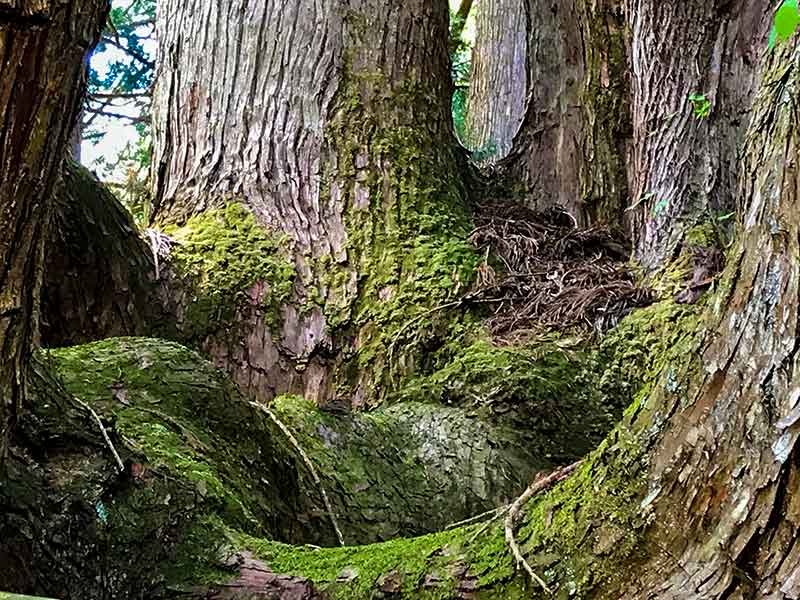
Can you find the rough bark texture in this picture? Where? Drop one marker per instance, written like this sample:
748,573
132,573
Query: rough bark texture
570,149
498,89
330,123
42,48
202,466
99,278
728,458
683,168
694,495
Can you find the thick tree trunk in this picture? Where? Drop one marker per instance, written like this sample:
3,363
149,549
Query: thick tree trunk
569,151
329,123
728,459
42,48
683,166
498,89
695,494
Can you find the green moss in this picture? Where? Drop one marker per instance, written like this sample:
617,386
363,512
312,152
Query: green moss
638,350
194,447
193,450
226,252
483,373
407,223
412,558
412,467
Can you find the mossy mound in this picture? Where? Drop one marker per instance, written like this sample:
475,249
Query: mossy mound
192,449
229,261
410,468
577,536
200,461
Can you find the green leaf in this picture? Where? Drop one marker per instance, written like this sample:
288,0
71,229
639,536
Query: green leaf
787,20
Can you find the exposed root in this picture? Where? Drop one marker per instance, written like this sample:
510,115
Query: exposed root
540,484
309,464
550,273
83,404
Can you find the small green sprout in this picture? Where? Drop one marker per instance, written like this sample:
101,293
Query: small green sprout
701,105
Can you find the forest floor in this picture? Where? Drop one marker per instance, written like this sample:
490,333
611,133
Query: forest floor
542,272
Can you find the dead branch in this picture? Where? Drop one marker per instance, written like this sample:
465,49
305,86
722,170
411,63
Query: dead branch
83,404
307,461
540,484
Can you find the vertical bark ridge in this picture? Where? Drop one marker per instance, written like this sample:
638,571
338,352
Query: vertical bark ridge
498,90
683,167
569,151
302,113
724,475
42,48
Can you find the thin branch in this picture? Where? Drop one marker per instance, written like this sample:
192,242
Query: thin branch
308,462
489,513
130,51
120,464
460,20
144,22
539,485
115,115
120,95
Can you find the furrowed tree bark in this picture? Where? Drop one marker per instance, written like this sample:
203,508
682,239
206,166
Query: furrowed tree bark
725,465
100,273
570,148
498,90
42,48
683,167
329,122
695,494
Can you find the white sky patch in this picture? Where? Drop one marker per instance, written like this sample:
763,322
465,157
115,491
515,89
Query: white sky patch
118,132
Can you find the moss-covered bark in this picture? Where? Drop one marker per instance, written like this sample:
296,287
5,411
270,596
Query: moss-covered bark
42,50
208,478
360,179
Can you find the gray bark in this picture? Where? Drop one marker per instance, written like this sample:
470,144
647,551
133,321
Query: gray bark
683,169
498,89
309,115
569,151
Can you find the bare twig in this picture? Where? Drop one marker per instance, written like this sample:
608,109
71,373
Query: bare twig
83,404
115,115
307,461
539,485
486,525
130,51
489,513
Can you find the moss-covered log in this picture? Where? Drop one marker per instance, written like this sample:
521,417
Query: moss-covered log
208,478
200,462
